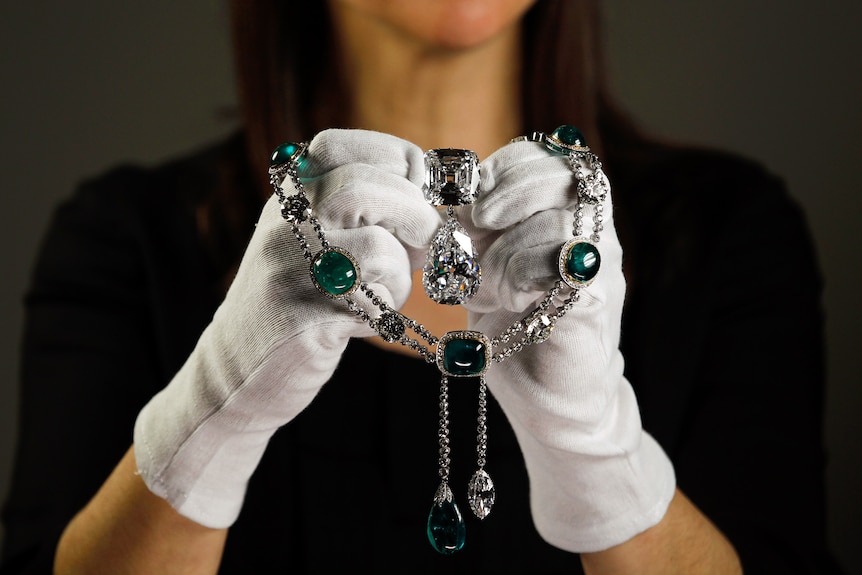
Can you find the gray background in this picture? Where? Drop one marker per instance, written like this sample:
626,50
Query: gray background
88,84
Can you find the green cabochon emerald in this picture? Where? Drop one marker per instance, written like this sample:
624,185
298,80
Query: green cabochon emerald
335,272
570,135
464,353
564,139
579,262
283,154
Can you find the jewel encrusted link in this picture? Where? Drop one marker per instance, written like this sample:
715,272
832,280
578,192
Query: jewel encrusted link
535,327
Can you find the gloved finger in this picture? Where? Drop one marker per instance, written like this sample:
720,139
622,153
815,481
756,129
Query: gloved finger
521,264
382,260
337,147
357,195
519,180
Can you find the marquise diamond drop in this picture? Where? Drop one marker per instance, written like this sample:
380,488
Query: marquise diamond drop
481,494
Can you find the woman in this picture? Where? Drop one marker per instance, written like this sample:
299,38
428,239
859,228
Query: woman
726,370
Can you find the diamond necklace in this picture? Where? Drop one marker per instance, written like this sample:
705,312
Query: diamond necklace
458,354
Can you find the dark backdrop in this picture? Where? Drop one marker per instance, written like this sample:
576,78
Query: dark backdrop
88,84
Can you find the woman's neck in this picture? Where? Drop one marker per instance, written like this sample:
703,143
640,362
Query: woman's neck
435,98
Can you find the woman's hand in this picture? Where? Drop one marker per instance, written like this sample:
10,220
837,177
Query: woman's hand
275,340
596,478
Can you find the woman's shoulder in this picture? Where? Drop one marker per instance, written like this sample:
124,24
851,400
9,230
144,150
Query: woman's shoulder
660,173
680,207
161,212
184,179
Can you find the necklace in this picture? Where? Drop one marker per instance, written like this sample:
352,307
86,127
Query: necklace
457,354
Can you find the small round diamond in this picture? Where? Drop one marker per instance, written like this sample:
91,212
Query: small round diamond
296,208
390,326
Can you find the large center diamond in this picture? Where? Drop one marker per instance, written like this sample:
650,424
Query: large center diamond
451,273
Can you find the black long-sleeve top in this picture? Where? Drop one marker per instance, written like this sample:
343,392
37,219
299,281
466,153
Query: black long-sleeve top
722,335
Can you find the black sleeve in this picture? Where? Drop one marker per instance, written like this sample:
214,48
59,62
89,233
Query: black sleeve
732,354
101,333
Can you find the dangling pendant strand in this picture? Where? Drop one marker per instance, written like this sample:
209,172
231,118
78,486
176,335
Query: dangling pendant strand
480,489
451,275
445,527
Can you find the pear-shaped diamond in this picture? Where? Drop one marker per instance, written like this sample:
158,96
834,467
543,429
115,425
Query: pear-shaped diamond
451,273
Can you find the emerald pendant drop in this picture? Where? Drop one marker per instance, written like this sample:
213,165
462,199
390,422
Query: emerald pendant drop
446,530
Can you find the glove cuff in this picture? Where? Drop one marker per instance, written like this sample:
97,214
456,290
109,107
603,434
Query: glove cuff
199,440
591,503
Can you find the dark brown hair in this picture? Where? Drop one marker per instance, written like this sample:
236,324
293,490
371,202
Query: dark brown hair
289,83
289,86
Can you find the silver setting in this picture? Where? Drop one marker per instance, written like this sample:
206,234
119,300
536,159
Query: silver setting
390,326
532,137
296,208
480,489
593,184
443,494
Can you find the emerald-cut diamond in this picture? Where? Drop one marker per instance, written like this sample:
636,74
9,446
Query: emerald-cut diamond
565,139
579,262
451,177
335,273
445,528
463,353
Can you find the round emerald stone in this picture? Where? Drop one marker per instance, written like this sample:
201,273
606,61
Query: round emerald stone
464,357
283,154
570,135
582,262
334,272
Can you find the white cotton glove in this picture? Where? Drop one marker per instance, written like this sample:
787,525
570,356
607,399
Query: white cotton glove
275,340
596,478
